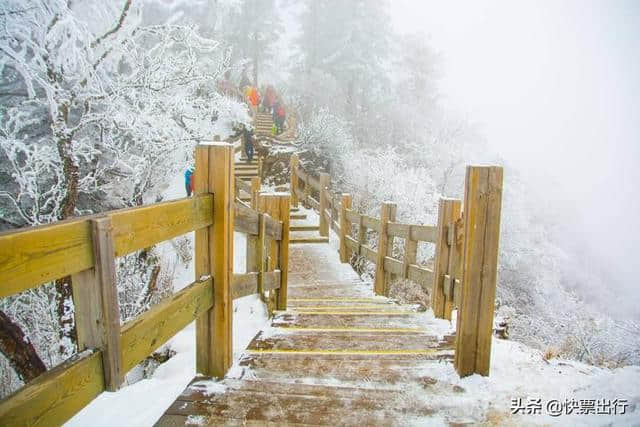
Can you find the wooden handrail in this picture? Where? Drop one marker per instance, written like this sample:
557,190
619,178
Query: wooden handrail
85,248
457,243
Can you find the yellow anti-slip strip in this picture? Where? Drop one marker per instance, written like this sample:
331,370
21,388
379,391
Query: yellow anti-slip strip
379,300
341,307
351,352
376,330
351,313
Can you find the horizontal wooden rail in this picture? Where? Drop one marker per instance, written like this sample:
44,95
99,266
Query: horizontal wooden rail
32,256
246,221
55,396
368,253
371,223
352,216
420,274
139,228
247,284
143,335
313,202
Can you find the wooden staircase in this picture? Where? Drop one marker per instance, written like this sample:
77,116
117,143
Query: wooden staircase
339,355
263,124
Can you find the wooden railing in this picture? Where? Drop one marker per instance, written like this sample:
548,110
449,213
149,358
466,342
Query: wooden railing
466,251
86,249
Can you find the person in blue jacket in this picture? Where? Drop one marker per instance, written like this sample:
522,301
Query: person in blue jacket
188,181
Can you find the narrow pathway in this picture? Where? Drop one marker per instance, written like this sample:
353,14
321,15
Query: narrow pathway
337,355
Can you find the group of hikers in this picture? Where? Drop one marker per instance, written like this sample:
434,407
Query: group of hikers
265,100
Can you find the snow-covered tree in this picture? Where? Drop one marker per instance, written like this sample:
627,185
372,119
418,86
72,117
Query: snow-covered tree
97,109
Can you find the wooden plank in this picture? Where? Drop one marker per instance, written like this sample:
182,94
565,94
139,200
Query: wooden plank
448,211
202,259
454,268
143,335
313,202
389,276
423,233
272,280
261,256
32,256
255,189
387,212
221,255
304,228
244,284
246,220
352,244
324,183
369,253
398,230
482,206
273,209
283,259
371,223
421,275
105,275
353,216
410,256
293,165
273,228
392,265
139,228
345,228
58,394
330,200
362,234
302,240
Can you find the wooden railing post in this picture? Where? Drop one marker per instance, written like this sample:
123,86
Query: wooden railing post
252,241
97,312
214,256
283,259
325,180
260,166
448,212
345,228
255,189
269,205
293,165
380,285
482,207
410,254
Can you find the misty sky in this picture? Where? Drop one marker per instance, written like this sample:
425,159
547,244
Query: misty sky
555,86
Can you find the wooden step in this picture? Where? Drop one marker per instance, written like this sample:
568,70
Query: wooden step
348,342
242,402
391,370
299,240
298,216
304,227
